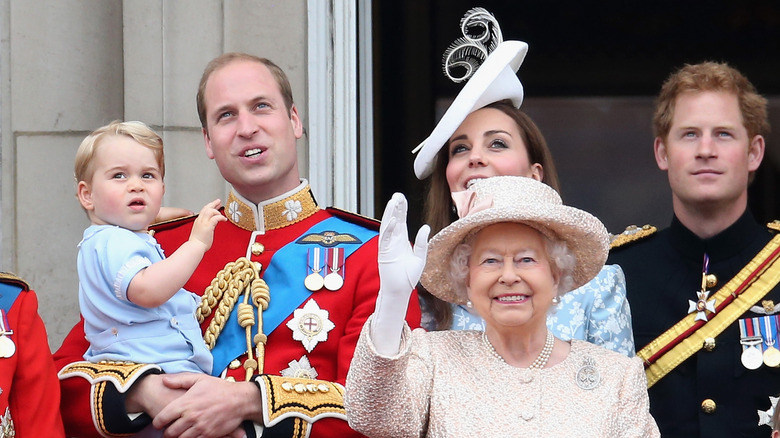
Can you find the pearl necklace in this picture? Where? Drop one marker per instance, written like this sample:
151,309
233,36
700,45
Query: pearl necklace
540,361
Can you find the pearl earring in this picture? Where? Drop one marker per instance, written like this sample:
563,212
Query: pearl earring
556,300
469,305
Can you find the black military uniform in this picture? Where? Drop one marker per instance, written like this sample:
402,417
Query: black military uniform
711,394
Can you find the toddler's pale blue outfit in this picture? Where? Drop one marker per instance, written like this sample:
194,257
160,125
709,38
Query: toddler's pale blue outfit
167,335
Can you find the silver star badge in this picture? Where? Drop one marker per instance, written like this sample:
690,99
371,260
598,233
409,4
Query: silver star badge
310,325
702,306
765,417
300,369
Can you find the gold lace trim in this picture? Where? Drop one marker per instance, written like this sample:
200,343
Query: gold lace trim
290,210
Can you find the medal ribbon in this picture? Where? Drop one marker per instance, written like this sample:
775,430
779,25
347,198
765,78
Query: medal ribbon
747,333
315,261
769,329
755,324
336,261
4,325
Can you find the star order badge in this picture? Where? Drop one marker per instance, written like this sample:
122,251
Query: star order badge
310,325
301,369
702,306
765,417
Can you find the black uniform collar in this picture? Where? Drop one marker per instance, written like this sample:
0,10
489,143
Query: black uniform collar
723,245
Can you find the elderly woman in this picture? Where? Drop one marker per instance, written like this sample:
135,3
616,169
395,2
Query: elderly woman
514,250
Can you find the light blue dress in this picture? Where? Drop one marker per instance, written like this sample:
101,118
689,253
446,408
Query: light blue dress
597,312
167,335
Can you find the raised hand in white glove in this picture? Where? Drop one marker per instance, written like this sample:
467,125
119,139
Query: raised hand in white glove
400,268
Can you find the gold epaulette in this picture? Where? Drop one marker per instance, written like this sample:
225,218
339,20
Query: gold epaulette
631,234
121,374
774,225
177,220
7,277
365,221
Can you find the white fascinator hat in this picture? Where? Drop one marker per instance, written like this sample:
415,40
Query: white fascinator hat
494,80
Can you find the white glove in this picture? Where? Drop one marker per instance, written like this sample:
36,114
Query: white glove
400,268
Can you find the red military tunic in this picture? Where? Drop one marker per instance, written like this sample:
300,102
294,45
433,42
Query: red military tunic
29,394
259,235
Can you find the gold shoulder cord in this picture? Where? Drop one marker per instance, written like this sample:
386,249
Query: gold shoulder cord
237,278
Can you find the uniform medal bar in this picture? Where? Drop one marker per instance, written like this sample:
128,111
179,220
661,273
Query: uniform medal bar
7,346
751,357
314,264
334,280
768,325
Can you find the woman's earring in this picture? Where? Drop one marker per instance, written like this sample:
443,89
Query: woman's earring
556,300
469,305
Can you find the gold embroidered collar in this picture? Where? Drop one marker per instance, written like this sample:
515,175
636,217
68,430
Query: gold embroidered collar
281,211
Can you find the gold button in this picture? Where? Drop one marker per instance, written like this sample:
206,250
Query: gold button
712,280
234,364
708,406
709,344
257,248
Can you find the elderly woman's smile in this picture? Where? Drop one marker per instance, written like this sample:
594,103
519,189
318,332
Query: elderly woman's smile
510,278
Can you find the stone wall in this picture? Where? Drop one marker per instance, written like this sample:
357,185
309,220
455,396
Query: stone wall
70,66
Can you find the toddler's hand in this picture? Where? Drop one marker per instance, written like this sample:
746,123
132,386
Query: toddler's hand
207,220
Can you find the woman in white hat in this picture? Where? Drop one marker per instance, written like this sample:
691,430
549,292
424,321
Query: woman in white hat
484,133
514,250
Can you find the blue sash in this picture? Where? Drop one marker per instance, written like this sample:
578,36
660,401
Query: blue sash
284,275
8,294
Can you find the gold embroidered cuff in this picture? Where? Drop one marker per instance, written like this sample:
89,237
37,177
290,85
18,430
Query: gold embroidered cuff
121,374
307,399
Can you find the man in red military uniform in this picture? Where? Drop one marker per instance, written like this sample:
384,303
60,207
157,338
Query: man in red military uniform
29,394
287,288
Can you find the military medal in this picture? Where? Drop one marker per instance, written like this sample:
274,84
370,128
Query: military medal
7,346
310,325
314,281
752,357
751,340
702,306
333,281
771,353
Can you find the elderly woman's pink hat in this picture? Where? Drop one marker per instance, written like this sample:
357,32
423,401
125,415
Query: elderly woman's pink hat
522,200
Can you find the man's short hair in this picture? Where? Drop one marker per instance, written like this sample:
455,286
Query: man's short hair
228,58
711,76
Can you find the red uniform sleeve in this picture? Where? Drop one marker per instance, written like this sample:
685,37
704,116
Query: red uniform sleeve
35,394
75,404
363,266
